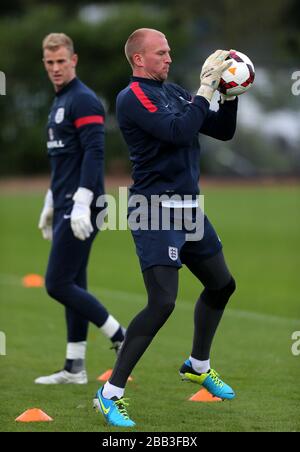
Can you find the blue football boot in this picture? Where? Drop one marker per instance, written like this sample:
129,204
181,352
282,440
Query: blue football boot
209,380
114,410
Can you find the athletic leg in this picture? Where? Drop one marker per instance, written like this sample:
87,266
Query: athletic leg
77,331
66,281
211,270
162,285
68,258
218,287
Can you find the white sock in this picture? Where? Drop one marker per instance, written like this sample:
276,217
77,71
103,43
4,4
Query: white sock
76,350
110,391
200,366
110,327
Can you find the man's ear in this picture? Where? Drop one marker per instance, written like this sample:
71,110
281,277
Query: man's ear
138,59
74,59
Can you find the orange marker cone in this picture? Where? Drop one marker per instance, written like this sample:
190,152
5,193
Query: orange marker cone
204,396
34,415
106,376
33,280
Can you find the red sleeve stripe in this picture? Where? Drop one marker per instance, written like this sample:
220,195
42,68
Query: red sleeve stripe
135,86
89,120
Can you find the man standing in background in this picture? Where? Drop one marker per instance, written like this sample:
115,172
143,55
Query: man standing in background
76,151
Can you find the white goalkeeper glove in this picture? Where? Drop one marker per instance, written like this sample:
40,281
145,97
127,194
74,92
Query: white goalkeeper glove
81,214
211,73
46,217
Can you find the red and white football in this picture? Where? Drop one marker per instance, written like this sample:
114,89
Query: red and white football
239,77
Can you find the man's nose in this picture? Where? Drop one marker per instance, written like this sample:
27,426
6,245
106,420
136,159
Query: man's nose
55,67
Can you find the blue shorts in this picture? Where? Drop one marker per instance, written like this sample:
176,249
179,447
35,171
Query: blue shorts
68,258
170,247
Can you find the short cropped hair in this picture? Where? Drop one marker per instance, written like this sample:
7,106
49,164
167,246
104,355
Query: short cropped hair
55,40
135,43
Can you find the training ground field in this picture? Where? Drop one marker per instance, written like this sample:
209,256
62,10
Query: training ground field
259,227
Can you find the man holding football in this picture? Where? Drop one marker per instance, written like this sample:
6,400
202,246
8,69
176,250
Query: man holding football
75,145
160,123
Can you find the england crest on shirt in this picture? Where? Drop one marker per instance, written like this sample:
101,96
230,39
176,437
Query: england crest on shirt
173,253
60,114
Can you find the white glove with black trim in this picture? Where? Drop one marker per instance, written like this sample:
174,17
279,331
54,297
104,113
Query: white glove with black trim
81,214
46,217
211,73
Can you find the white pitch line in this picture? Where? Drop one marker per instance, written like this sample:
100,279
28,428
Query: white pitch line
10,280
14,280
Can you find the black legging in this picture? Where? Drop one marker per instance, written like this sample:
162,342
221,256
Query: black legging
162,285
218,287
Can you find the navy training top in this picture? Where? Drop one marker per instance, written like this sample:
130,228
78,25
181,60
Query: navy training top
160,123
75,143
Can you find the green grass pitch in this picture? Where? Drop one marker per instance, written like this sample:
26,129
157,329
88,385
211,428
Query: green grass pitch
259,227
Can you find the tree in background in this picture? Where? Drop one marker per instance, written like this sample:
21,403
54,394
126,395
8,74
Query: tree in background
100,29
102,65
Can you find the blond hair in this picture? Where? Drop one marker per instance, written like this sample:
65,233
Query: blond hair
136,42
55,40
